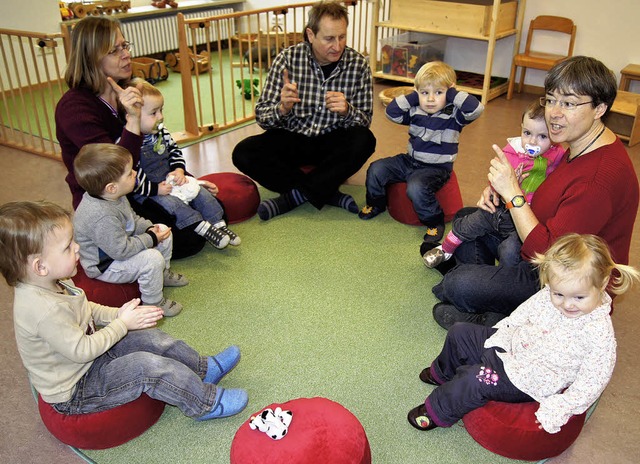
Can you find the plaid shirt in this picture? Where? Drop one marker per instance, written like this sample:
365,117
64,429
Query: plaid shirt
310,117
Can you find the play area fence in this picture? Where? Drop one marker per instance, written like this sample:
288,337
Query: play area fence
221,61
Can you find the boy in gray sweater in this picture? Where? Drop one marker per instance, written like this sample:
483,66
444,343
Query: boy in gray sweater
116,245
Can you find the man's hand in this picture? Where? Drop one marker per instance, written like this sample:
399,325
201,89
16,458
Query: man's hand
337,103
288,94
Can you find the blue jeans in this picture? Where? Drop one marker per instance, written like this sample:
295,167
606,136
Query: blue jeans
144,361
423,181
461,364
477,285
500,224
203,207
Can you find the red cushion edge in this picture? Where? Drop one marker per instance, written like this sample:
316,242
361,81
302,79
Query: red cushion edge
532,444
104,429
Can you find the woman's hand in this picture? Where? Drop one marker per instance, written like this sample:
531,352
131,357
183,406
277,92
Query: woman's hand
502,176
489,200
131,100
210,186
139,317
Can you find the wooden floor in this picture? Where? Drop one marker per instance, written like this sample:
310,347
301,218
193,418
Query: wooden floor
611,436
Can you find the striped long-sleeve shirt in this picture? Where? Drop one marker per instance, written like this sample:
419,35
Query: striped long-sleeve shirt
433,138
310,117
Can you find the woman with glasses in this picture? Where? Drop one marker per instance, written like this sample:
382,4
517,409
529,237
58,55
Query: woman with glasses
100,108
594,190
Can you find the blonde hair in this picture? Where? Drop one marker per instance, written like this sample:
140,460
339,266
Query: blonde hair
24,227
91,40
99,164
146,89
586,257
435,72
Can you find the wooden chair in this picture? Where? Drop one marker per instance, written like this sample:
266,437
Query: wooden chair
541,60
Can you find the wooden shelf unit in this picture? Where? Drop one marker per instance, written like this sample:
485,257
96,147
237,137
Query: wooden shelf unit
485,20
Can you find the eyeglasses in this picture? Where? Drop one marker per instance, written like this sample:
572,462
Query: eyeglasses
547,102
117,50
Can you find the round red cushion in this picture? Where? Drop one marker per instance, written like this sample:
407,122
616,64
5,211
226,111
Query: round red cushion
105,429
321,431
401,208
105,293
238,194
509,429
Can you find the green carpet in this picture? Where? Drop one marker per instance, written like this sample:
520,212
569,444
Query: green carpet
321,304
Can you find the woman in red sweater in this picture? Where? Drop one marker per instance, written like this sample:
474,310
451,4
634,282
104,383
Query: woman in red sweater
100,108
594,190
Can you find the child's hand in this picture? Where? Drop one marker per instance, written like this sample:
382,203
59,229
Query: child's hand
210,186
139,317
164,188
161,231
178,176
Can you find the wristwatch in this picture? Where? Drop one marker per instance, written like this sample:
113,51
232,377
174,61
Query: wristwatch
516,202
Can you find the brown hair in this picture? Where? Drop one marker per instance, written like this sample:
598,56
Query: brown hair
335,10
24,227
91,40
99,164
586,257
583,75
435,72
534,110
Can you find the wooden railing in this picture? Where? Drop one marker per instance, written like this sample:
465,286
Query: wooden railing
220,81
30,86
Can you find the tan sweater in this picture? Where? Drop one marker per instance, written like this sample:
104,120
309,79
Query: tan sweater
57,339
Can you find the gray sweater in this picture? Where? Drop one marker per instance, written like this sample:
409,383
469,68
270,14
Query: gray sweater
109,231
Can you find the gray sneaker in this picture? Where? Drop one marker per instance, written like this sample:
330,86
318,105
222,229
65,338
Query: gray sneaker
217,237
433,257
169,307
233,237
173,279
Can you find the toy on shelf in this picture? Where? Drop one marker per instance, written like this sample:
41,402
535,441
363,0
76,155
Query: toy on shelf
201,60
164,4
248,87
82,9
65,11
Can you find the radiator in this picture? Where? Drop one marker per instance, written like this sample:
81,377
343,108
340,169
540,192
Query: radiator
158,35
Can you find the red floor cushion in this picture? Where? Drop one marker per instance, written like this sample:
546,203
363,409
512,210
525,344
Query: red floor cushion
321,431
509,429
105,429
401,208
238,194
105,293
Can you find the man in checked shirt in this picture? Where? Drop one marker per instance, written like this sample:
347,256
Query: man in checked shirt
315,108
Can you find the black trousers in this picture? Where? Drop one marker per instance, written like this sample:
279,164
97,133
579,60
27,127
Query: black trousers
273,159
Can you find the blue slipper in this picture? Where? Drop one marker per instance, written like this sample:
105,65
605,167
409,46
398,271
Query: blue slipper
228,403
219,365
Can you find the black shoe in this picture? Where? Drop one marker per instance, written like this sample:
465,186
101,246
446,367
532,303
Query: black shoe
446,315
426,376
419,419
434,234
369,212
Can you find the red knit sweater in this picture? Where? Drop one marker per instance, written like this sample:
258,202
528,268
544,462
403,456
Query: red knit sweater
596,193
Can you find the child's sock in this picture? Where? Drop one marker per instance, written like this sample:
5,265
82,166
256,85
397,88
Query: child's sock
344,201
283,204
220,364
202,228
450,243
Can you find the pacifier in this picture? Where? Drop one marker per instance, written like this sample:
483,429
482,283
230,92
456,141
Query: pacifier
532,150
